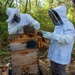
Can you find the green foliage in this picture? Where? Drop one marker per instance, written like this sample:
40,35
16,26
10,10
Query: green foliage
43,19
3,28
40,13
71,15
3,53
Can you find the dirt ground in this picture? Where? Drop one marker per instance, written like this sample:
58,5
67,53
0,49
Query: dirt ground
4,59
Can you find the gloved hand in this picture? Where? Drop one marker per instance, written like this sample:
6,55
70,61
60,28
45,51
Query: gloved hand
19,27
37,26
46,34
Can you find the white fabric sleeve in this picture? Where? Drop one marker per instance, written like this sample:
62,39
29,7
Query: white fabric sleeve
61,39
46,34
66,38
32,21
14,30
74,35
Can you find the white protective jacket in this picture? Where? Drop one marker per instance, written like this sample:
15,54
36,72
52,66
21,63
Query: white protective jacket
25,19
62,39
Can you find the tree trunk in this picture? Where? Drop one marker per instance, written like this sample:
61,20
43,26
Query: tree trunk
30,4
26,6
0,45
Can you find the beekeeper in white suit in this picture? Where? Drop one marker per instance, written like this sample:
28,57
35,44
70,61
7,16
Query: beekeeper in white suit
16,21
62,40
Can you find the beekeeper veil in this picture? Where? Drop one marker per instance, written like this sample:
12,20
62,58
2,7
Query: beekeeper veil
11,13
58,15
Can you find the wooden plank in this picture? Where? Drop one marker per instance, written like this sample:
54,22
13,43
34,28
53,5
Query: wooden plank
23,38
22,45
23,57
25,70
17,46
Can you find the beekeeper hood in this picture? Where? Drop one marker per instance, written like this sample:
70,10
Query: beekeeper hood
58,15
11,12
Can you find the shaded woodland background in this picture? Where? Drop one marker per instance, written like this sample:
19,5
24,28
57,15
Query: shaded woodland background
38,9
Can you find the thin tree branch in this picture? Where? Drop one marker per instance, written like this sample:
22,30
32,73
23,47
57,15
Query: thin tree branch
26,6
11,3
6,3
30,4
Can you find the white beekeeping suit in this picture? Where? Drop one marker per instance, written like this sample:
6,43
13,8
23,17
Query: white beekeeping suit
16,26
62,39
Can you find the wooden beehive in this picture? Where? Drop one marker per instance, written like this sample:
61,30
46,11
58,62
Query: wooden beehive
24,60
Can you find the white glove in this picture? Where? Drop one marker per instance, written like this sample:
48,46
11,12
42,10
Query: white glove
36,24
46,34
19,27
